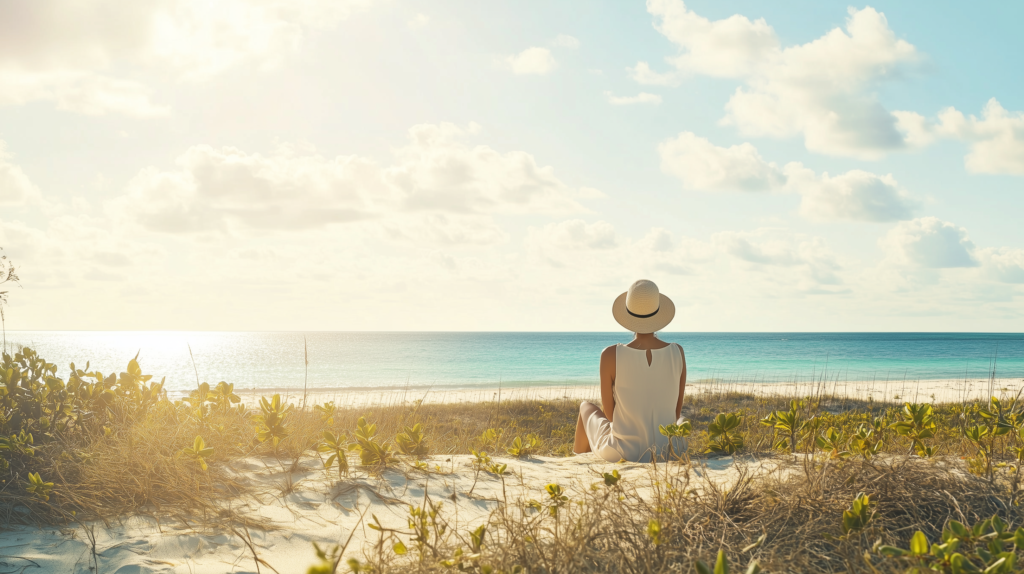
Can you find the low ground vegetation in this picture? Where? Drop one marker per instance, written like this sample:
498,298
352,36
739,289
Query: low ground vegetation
881,487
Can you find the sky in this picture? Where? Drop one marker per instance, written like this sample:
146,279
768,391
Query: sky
392,165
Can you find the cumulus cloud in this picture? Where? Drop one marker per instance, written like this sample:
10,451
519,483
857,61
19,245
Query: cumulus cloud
538,61
225,189
929,243
566,41
641,98
782,248
996,140
643,74
67,52
855,195
701,164
15,186
575,234
1003,264
823,90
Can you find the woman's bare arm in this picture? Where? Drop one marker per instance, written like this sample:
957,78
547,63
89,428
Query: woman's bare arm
682,384
608,381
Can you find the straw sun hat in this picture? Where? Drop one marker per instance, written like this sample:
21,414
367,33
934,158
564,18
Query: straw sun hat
643,309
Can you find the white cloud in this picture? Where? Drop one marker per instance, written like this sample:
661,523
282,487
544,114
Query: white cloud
641,98
929,243
418,21
15,186
225,189
566,41
532,61
727,48
823,90
1003,264
444,229
575,234
855,195
701,164
81,92
66,52
643,74
997,139
782,248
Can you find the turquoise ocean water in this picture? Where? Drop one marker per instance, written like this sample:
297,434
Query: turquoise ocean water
479,360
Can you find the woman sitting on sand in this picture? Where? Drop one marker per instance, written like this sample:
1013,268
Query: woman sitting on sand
642,383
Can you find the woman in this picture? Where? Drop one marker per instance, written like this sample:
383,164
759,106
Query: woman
642,383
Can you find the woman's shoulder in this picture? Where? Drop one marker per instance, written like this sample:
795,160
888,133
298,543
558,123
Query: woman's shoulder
609,351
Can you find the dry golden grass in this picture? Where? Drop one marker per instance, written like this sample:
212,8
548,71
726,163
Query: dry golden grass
138,467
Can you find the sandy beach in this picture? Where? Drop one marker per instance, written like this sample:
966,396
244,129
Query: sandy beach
293,509
897,391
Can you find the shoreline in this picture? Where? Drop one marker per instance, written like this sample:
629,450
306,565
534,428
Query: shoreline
934,391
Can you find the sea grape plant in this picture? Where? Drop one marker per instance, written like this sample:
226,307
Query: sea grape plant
833,442
489,438
411,441
789,423
371,452
337,446
523,448
859,515
722,565
271,423
722,433
917,424
199,451
38,487
223,396
673,432
989,546
326,411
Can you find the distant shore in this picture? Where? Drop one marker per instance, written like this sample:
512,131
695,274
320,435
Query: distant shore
936,390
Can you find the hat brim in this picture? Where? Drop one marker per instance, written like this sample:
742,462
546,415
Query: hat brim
657,322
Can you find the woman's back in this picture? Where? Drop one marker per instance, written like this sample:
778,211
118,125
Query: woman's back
645,398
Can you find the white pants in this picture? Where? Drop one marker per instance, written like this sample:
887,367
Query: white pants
602,441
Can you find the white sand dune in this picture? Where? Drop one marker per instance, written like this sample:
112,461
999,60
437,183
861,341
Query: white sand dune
296,508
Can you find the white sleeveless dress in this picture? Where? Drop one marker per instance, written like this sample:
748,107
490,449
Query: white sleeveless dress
645,398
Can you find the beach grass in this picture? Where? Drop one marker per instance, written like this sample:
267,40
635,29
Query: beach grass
117,446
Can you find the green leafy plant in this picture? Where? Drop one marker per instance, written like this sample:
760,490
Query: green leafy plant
371,452
989,546
917,424
271,423
37,487
612,478
223,396
834,443
327,411
199,452
722,565
673,432
411,441
859,515
789,423
489,438
654,531
523,448
337,446
328,560
865,442
723,436
556,498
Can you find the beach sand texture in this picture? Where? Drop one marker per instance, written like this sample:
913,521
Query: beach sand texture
295,509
